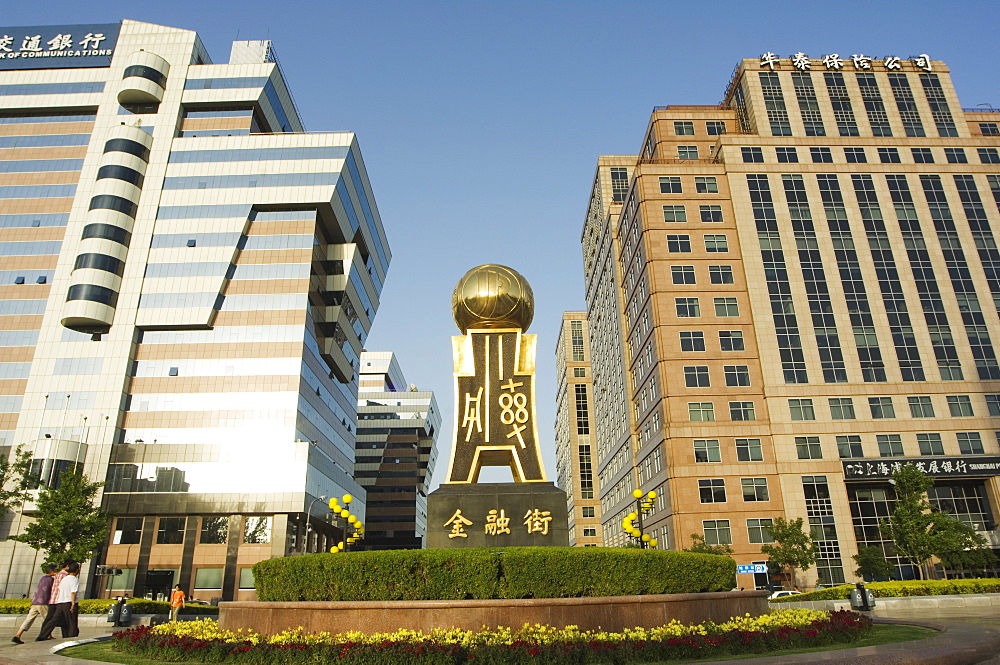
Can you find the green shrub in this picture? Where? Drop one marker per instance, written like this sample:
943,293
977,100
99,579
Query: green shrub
101,605
484,573
897,589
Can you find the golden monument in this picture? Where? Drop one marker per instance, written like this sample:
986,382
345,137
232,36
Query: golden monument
495,424
494,377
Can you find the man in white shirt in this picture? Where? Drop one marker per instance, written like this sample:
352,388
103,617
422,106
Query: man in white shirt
64,610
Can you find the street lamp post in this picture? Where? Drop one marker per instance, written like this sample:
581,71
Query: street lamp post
633,521
304,545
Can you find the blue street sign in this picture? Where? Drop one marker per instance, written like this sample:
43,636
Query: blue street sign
752,568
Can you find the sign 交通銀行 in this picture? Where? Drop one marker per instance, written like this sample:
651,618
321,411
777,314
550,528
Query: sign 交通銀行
58,46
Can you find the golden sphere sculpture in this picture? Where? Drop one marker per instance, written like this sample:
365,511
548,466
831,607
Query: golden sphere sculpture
492,296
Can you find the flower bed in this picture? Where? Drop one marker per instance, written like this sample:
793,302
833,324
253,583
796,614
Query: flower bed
897,589
204,641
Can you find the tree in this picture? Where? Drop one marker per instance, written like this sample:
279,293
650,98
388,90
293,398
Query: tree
962,548
919,532
793,546
14,480
700,546
872,563
67,523
909,525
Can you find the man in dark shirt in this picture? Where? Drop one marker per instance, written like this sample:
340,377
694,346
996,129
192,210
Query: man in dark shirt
39,602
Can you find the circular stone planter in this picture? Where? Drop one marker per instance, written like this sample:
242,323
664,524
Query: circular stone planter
612,613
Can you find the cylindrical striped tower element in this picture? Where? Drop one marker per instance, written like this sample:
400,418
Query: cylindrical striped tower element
144,79
98,268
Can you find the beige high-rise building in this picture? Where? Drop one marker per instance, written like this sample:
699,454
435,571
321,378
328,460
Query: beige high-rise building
802,286
187,281
574,429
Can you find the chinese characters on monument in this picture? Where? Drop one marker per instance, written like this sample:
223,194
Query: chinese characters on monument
498,524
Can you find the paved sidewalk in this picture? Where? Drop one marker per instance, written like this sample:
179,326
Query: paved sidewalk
39,653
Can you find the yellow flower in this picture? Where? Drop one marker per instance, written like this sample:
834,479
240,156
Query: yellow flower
208,629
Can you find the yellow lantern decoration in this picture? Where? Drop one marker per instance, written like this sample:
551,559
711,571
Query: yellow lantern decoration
347,498
334,505
637,494
651,495
345,513
646,537
653,542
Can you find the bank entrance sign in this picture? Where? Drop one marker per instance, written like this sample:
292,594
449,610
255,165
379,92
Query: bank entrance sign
58,46
978,466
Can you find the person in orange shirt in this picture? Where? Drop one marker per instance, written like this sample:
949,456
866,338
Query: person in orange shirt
176,602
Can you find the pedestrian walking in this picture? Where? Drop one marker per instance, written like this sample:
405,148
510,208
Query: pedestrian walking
176,602
39,602
64,609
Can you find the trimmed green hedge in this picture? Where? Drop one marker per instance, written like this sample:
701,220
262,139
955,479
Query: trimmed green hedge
485,573
101,605
897,589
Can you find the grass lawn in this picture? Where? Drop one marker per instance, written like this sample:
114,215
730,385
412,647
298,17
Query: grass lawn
883,634
102,651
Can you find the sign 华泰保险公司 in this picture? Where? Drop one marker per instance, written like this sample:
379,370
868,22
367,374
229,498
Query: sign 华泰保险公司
58,46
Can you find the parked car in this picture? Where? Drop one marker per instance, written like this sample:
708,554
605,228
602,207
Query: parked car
782,594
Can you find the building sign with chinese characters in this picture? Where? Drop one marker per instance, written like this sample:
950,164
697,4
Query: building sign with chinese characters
58,46
835,62
937,467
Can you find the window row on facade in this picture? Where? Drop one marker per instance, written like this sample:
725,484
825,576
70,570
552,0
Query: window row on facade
687,127
690,307
703,184
849,446
859,155
256,530
717,274
719,532
918,406
902,110
713,490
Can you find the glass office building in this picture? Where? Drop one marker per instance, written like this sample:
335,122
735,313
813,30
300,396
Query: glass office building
187,281
398,426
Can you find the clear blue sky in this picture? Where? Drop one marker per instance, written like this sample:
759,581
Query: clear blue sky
481,121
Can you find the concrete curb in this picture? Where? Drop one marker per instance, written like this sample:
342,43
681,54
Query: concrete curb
969,600
75,643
